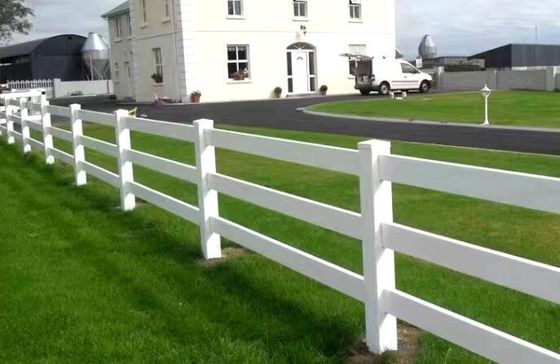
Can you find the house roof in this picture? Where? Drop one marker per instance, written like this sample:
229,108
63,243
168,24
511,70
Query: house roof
121,9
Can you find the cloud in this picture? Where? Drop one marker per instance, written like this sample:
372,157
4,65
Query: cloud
459,27
465,27
54,17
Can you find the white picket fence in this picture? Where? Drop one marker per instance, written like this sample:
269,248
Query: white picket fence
30,84
381,237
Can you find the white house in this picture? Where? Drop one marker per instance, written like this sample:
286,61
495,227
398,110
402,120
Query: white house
121,35
243,49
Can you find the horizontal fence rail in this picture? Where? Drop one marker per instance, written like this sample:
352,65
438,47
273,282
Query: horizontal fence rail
512,188
380,236
313,155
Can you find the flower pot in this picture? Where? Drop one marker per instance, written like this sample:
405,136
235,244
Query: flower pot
323,93
195,98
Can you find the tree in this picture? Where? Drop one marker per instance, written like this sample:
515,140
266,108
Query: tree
14,18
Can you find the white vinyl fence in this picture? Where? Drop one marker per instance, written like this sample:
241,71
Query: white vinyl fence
30,84
381,237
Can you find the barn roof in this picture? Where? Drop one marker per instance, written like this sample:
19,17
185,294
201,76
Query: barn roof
26,48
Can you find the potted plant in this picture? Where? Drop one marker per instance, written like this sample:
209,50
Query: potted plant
323,90
195,96
278,92
239,75
157,78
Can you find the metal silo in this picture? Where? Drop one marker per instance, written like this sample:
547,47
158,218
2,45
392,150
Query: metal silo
95,54
427,48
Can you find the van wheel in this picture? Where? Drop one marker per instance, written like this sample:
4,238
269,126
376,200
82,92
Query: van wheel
425,87
365,92
384,89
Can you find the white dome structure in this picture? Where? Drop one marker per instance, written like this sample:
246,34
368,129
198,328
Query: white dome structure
95,54
427,48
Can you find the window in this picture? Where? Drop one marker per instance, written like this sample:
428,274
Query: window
167,10
406,68
355,9
158,76
129,22
358,50
128,71
144,11
118,27
116,72
300,8
238,62
235,7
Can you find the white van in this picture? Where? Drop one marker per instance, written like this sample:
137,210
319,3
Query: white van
384,75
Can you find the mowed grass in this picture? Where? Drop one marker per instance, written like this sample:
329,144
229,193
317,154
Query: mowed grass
82,281
509,108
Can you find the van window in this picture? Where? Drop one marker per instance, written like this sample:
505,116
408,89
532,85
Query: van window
406,68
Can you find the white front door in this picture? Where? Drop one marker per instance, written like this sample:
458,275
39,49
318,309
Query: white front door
300,71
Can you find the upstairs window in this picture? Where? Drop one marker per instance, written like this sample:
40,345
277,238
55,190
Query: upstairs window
355,9
167,10
118,27
235,7
129,22
238,62
300,8
144,11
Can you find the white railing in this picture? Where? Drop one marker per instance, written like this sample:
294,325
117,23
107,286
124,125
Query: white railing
30,84
381,237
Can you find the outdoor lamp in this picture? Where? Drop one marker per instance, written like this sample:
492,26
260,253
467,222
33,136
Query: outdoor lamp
486,94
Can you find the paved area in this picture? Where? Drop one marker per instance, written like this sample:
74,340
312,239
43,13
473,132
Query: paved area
286,114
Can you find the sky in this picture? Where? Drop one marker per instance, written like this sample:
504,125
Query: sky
458,27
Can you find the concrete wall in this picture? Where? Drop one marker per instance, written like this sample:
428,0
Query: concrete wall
62,89
543,79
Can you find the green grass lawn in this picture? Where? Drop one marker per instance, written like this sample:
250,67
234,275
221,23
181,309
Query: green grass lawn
512,108
81,281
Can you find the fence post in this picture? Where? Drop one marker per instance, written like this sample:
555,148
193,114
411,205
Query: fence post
378,261
9,122
78,148
46,124
207,198
25,132
126,168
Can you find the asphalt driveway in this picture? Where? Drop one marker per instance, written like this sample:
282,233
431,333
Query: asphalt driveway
287,114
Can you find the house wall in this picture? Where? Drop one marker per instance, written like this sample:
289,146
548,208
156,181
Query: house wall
268,27
121,54
157,32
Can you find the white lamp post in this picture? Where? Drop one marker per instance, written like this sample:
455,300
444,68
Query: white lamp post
486,94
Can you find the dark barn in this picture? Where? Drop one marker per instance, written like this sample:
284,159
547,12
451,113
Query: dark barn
521,55
49,58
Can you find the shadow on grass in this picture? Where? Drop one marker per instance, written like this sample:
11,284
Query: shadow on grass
152,259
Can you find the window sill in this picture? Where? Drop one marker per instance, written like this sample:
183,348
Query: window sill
235,17
158,84
117,40
355,21
350,77
165,20
302,19
143,25
233,82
